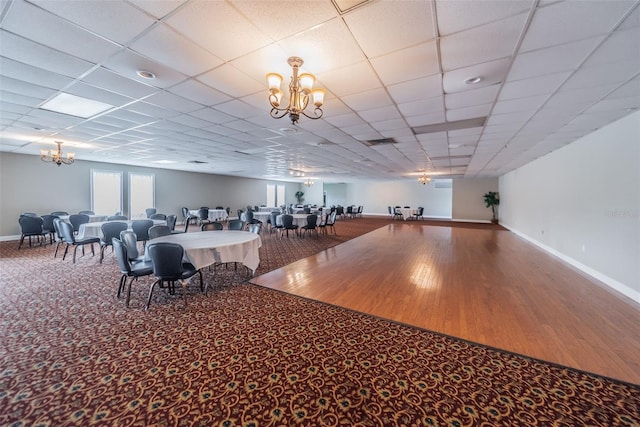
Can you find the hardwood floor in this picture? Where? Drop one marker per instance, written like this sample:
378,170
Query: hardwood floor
486,286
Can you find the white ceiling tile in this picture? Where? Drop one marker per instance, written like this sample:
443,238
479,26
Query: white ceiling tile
468,112
616,104
325,47
491,73
28,52
117,21
620,46
485,95
562,22
425,119
404,26
108,80
380,114
531,104
239,109
23,100
566,57
91,92
368,100
430,105
351,79
455,16
158,8
23,88
127,63
163,45
219,28
301,16
30,74
481,44
617,72
414,90
196,91
533,86
234,82
407,64
55,32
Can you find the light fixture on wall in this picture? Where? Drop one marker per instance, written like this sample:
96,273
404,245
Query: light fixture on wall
424,179
308,182
300,92
56,156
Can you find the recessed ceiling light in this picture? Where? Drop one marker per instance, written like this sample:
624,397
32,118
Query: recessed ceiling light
146,74
473,80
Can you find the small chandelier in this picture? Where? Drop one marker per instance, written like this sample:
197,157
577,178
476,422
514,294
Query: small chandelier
300,90
56,157
424,179
308,182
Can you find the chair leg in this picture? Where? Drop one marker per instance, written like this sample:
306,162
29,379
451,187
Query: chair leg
66,249
75,249
126,303
123,281
101,253
153,285
21,240
55,253
203,288
184,292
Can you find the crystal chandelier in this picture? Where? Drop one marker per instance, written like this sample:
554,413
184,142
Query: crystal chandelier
56,156
308,182
300,92
424,179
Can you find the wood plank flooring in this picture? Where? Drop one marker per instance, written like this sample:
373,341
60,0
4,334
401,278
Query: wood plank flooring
486,286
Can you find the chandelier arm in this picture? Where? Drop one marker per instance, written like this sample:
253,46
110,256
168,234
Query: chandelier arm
315,111
278,113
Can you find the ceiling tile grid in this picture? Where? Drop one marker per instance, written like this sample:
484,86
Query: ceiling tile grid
547,73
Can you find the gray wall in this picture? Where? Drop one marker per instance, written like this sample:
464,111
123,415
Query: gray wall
468,200
29,185
582,203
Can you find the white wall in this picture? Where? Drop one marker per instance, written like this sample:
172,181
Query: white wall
377,196
468,201
582,203
29,185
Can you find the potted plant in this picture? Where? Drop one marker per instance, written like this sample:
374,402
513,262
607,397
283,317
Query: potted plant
299,196
492,199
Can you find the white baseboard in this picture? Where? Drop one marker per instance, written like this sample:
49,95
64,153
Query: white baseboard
610,282
9,238
479,221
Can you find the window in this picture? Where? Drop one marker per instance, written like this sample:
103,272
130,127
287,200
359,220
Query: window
275,195
106,192
141,194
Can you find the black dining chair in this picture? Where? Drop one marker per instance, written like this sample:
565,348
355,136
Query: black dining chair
130,240
48,228
149,212
235,224
60,239
169,268
77,220
87,212
158,231
109,231
141,228
59,213
171,222
212,226
203,215
287,224
117,218
310,226
255,228
158,216
418,215
187,217
32,226
70,240
135,270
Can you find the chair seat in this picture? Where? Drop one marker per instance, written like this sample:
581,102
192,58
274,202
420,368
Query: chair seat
87,240
141,268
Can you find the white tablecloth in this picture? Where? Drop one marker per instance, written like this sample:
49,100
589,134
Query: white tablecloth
204,248
214,214
262,216
94,229
407,212
298,219
92,218
267,208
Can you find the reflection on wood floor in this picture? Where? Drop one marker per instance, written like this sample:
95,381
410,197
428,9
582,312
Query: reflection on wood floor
487,286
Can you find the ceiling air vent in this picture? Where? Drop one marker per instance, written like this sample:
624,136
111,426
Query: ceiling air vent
477,122
380,141
196,162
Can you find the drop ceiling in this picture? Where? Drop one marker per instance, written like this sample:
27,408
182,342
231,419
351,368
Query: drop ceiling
550,72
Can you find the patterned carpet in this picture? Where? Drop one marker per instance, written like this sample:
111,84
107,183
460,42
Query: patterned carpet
243,355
